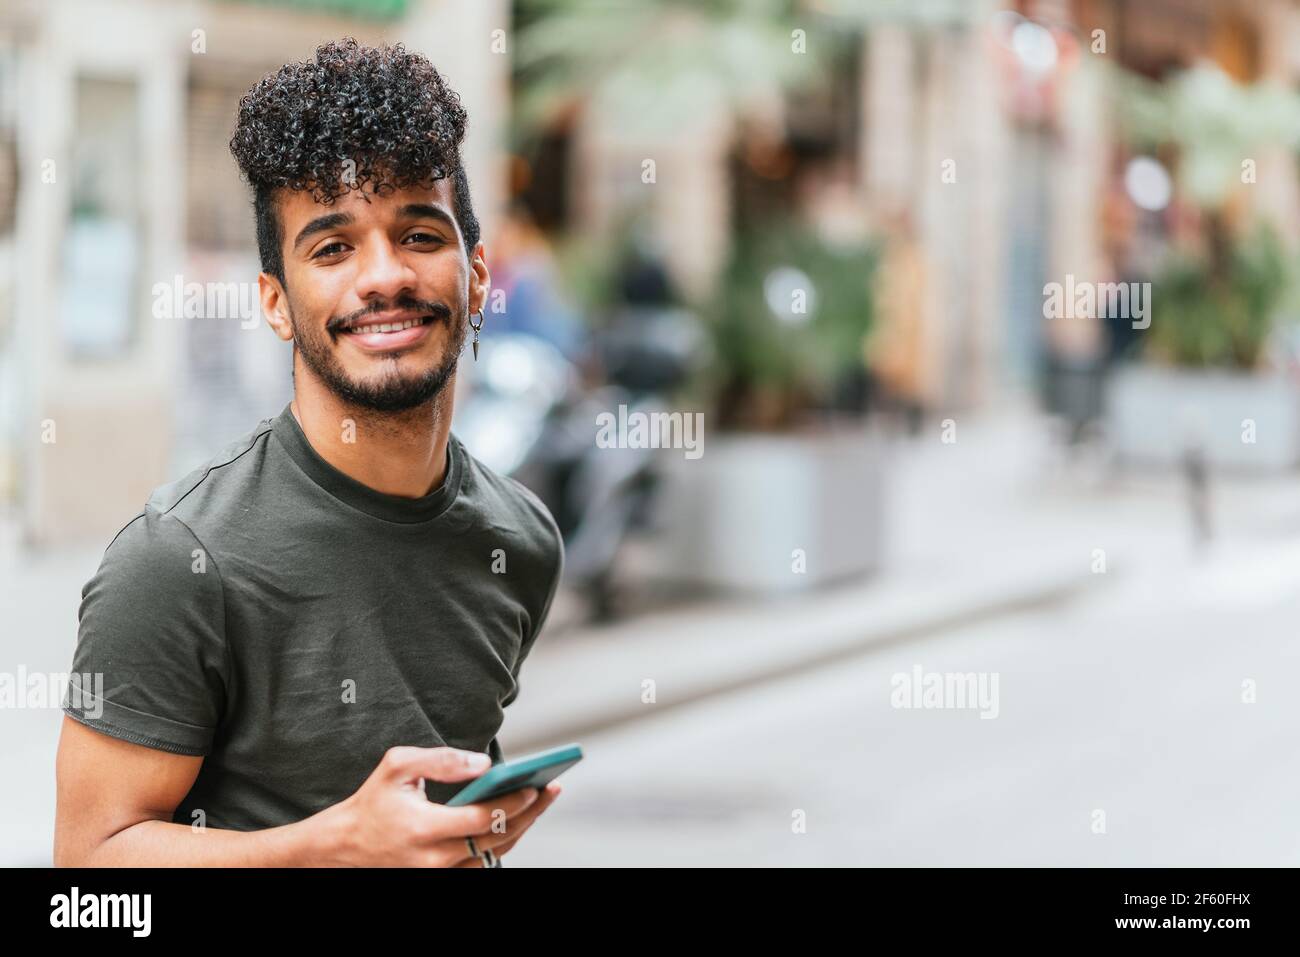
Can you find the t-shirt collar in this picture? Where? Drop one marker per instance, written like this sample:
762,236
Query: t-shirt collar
392,508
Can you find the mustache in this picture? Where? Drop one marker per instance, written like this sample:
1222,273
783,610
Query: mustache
426,307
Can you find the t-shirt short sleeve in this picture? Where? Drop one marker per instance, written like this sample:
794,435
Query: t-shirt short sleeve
551,572
556,573
151,664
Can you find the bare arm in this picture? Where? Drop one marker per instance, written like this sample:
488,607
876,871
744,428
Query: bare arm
116,800
115,805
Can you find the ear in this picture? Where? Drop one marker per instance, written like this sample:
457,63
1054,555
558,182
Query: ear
480,280
275,305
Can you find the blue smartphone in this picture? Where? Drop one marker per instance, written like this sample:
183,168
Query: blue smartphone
532,771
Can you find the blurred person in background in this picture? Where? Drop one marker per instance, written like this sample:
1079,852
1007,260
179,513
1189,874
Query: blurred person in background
525,272
900,349
1119,234
306,644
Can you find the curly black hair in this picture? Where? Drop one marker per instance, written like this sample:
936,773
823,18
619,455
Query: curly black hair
380,114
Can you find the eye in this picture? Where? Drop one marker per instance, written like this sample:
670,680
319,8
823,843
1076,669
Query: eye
422,238
329,249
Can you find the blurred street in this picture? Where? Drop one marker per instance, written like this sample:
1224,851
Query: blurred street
1128,700
1125,695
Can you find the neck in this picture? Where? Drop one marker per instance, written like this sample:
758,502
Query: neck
397,453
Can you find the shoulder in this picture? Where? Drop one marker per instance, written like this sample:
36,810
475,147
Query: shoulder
155,561
151,626
534,514
514,516
511,507
152,538
217,482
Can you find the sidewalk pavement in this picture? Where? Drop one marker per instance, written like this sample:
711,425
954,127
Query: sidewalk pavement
593,678
999,522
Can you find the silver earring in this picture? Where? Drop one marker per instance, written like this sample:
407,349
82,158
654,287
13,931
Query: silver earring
481,318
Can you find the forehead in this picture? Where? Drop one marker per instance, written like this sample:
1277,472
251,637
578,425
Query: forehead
299,207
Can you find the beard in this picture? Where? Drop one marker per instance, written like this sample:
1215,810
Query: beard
391,391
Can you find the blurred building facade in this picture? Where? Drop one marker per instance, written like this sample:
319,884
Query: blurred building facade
991,150
116,182
984,132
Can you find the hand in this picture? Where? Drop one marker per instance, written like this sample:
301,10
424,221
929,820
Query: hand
389,822
500,844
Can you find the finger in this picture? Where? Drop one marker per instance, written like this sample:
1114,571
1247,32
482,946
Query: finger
544,800
517,825
457,850
507,847
443,822
497,843
444,855
404,764
452,851
547,799
493,812
501,850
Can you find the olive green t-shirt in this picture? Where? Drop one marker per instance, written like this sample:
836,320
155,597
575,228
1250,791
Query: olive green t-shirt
290,624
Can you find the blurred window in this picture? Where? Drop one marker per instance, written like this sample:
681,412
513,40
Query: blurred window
234,374
219,210
101,247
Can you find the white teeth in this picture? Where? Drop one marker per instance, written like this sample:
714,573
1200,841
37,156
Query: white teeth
387,326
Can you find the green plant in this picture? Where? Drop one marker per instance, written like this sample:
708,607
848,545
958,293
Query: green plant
648,67
1219,311
1214,122
1215,307
788,320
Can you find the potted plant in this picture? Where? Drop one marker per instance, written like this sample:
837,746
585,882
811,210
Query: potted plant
1209,383
780,497
787,494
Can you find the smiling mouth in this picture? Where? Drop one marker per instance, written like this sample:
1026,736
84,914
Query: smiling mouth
370,328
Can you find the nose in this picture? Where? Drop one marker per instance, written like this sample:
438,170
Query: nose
384,272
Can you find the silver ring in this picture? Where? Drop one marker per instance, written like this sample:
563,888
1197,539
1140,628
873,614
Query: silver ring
489,859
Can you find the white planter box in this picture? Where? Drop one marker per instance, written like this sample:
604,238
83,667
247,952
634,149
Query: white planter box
1154,414
733,518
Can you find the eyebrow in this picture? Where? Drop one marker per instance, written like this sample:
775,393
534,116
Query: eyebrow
427,211
322,224
330,221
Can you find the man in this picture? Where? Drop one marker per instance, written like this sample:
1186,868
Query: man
307,644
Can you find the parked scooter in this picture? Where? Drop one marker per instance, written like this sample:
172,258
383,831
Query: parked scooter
530,417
